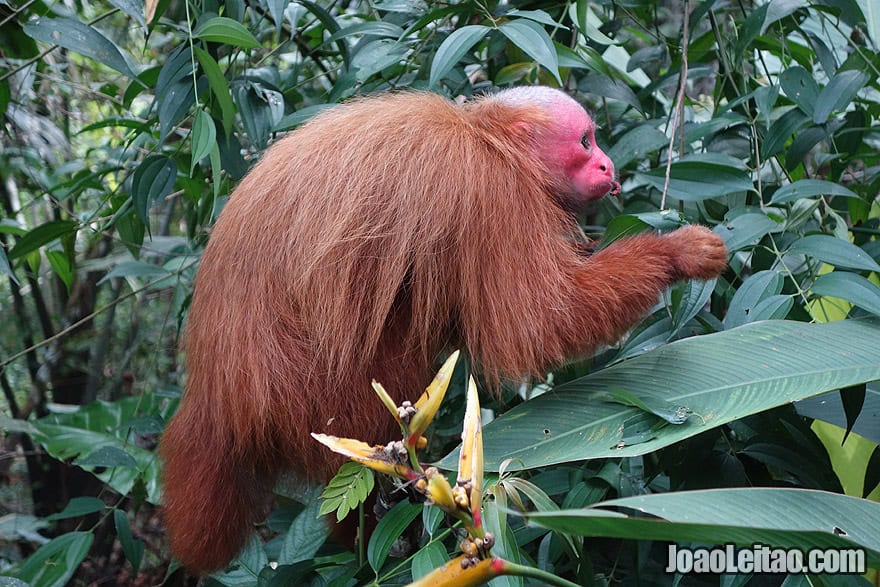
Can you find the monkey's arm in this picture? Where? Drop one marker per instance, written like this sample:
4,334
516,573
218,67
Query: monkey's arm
618,285
535,307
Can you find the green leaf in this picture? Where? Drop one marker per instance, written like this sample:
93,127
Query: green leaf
839,92
4,266
107,456
204,138
79,506
534,41
781,130
55,562
41,235
133,548
81,38
787,361
220,29
834,251
305,536
805,188
428,558
800,87
60,263
219,87
453,48
375,28
376,56
755,289
636,144
86,428
739,516
745,230
388,530
134,9
153,180
850,287
700,177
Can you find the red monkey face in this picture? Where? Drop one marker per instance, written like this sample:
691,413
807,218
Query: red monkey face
569,146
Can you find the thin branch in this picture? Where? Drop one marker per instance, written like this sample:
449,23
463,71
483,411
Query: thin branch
678,109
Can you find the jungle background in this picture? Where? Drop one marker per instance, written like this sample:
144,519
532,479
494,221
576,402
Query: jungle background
126,125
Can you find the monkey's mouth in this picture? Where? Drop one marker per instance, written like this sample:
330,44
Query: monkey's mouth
615,188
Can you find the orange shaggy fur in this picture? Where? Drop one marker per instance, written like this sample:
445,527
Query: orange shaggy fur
359,247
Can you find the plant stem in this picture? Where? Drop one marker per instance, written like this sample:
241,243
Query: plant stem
526,571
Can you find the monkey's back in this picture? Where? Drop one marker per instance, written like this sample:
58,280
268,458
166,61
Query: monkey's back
345,256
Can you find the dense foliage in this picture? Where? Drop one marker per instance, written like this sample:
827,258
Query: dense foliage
126,126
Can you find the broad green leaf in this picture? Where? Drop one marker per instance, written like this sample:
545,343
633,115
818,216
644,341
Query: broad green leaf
781,130
740,516
850,287
79,506
839,92
153,180
428,558
534,41
81,38
779,9
786,361
453,48
306,534
330,24
132,8
376,56
604,85
699,178
376,28
133,548
134,269
800,87
805,188
745,230
388,530
107,456
83,430
636,144
60,263
55,562
225,30
834,251
537,16
219,87
41,235
204,138
301,116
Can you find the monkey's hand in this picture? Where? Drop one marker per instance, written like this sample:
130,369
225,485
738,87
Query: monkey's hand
697,253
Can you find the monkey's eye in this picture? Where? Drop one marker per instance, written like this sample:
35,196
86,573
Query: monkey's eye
585,141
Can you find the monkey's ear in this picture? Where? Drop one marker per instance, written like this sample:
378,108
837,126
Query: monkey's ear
521,129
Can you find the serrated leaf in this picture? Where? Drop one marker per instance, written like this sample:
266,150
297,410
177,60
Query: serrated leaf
534,41
453,48
850,287
81,38
221,29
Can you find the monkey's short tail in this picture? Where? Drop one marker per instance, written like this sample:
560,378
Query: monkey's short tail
211,502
